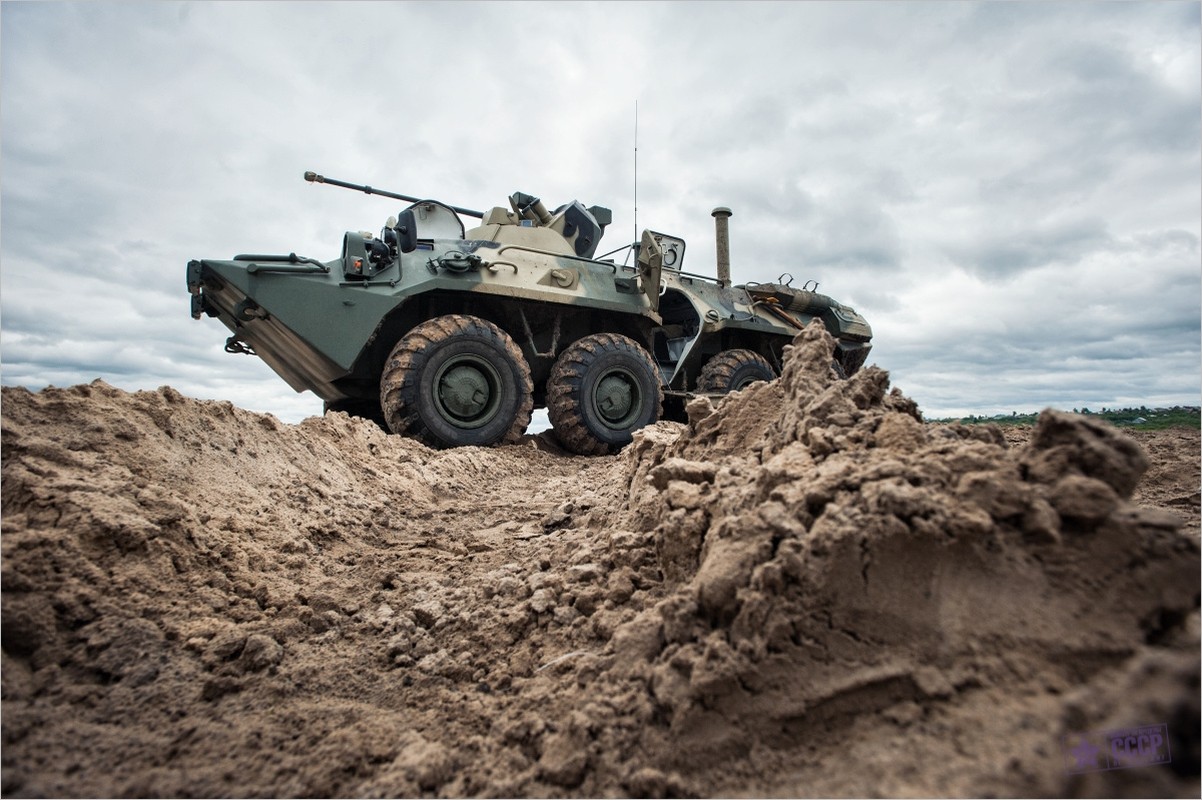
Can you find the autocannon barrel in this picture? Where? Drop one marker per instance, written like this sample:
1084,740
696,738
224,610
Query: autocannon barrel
313,177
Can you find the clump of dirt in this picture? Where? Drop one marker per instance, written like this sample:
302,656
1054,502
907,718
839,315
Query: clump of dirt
804,591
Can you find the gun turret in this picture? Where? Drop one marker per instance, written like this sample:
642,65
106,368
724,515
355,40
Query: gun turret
313,177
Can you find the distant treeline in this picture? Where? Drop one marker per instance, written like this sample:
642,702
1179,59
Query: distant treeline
1142,417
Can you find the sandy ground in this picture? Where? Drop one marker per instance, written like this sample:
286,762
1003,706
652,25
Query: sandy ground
803,592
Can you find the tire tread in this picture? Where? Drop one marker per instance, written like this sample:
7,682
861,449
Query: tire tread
400,378
563,389
718,373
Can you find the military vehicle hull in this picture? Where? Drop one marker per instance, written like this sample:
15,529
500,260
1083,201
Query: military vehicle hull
332,327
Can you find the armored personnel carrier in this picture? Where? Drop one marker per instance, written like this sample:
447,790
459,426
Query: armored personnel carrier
453,335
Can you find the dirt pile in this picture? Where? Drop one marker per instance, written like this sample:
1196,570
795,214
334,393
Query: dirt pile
854,587
804,591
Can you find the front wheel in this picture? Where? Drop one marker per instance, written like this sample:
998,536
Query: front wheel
602,389
457,380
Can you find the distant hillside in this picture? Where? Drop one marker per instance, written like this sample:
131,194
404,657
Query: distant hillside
1143,417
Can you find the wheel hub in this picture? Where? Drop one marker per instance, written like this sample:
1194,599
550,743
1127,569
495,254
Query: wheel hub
616,399
466,393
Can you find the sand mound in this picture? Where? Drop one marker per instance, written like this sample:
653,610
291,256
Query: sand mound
840,567
804,591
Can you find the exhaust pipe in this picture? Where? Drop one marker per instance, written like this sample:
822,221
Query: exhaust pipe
722,237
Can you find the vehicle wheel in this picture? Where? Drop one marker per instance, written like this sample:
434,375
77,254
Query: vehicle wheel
457,380
364,409
602,389
733,370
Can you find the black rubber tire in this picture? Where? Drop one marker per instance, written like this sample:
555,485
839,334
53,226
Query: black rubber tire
364,409
425,385
732,370
599,369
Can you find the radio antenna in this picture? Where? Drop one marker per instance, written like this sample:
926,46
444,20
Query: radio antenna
636,170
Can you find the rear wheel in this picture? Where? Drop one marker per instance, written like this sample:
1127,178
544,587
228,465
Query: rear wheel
457,380
733,370
602,389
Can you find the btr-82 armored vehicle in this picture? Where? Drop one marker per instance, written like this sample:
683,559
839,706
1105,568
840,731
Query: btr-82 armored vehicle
453,336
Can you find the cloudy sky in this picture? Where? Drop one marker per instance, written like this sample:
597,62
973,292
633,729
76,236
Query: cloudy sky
1010,193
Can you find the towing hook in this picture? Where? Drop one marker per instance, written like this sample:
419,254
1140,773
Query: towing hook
236,345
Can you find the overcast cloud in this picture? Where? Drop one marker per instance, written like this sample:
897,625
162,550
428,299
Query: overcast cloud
1010,193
